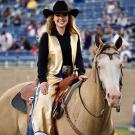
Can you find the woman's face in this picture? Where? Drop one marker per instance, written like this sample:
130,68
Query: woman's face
61,20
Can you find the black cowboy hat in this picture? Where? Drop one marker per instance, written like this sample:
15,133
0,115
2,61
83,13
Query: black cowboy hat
60,7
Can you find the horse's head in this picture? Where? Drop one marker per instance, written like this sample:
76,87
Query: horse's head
109,69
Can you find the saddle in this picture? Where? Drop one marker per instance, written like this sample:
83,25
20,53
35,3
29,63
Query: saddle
63,88
23,100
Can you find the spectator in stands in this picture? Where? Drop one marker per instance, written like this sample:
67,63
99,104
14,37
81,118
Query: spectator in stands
109,7
32,5
111,30
31,28
87,40
16,16
55,54
112,11
6,40
16,11
100,30
14,47
6,15
34,50
22,3
6,12
109,33
122,20
106,18
17,20
117,9
5,23
25,45
87,44
125,53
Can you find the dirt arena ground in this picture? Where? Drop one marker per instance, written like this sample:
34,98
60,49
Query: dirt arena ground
12,76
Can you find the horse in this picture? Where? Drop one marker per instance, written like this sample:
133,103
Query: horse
89,109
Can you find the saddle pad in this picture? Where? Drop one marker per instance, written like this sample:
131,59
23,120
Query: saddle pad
19,104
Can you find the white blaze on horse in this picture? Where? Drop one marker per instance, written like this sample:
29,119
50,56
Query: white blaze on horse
89,110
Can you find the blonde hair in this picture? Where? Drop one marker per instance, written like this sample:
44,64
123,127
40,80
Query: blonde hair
73,29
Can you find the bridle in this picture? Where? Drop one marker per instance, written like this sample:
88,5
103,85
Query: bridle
110,55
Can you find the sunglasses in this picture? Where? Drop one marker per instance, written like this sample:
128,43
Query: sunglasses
61,14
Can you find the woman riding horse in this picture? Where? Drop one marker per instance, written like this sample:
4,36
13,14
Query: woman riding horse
59,48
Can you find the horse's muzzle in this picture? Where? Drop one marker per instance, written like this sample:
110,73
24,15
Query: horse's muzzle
113,99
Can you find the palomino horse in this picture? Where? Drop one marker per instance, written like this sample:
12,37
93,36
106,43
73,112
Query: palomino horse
89,110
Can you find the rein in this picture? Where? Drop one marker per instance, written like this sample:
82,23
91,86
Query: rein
97,114
73,126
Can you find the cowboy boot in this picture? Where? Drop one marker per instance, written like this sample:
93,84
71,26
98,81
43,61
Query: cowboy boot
40,133
58,111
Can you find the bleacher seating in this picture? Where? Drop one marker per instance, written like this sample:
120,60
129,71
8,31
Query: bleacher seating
15,58
129,8
90,15
90,11
132,43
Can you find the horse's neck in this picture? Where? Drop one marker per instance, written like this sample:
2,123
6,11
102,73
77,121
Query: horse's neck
92,96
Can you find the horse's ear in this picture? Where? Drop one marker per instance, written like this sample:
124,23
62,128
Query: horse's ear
118,43
98,41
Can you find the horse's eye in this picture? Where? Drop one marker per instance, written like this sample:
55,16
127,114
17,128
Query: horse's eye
121,65
99,67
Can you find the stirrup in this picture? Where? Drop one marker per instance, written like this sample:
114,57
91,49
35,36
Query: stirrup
58,111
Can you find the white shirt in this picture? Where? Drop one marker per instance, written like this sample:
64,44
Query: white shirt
6,41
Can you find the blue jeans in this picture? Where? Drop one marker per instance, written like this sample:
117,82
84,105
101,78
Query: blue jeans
30,127
133,122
